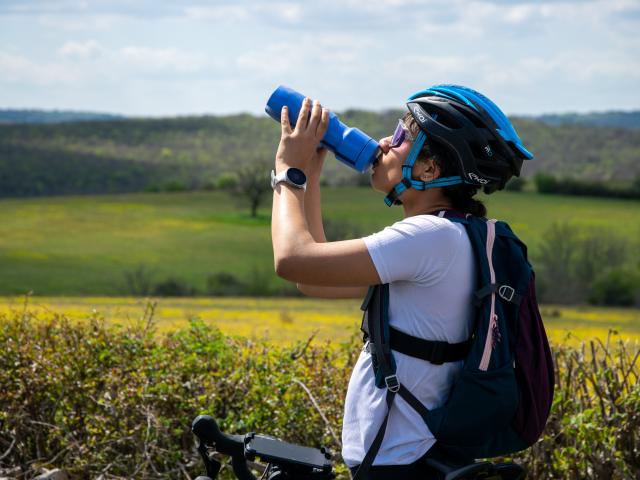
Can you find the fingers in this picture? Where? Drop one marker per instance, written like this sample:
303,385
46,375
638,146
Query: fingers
284,120
316,113
324,124
303,116
385,144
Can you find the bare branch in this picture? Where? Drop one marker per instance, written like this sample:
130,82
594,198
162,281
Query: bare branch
317,407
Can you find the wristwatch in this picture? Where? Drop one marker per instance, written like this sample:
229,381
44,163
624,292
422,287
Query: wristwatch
293,176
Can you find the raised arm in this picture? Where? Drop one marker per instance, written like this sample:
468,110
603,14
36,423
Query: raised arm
313,214
301,253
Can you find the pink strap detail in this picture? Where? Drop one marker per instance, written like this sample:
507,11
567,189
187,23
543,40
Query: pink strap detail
488,345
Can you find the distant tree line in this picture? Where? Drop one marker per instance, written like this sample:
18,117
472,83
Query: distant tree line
201,152
52,116
546,183
29,171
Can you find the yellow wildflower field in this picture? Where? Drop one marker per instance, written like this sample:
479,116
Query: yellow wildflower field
289,320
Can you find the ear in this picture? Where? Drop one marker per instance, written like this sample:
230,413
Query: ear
427,170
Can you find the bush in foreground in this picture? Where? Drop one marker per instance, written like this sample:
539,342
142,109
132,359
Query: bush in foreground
95,399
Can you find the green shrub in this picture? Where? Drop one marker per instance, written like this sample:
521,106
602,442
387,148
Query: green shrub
516,184
224,284
593,431
138,281
545,183
570,258
94,399
336,229
208,185
259,282
226,181
174,287
617,287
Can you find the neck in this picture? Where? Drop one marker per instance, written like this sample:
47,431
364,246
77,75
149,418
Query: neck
412,210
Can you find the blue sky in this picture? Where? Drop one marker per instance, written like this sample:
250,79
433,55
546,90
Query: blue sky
175,58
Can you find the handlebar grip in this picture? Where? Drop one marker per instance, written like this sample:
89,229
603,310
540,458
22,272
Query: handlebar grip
207,430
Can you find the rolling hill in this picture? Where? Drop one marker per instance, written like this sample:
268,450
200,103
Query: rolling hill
132,155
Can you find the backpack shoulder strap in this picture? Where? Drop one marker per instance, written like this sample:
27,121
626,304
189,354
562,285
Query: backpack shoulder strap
375,325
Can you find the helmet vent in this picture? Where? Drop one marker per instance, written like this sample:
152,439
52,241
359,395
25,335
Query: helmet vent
477,122
443,118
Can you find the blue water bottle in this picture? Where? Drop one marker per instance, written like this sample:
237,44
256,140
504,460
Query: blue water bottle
350,145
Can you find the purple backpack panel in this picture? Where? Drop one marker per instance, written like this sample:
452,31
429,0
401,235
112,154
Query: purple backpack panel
534,370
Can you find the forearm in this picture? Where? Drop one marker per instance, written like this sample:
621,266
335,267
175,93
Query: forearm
289,229
313,210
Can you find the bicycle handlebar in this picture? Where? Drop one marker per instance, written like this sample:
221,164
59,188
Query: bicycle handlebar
285,461
296,462
207,430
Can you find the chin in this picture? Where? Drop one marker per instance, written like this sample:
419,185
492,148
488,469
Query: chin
375,184
382,184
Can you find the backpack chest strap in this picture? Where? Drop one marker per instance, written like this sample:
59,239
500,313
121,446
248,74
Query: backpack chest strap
384,338
433,351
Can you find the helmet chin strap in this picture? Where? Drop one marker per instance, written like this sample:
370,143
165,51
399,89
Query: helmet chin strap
393,197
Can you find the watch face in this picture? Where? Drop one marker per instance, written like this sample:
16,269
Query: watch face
297,176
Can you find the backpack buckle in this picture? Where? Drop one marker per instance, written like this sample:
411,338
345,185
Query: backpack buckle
392,383
506,292
437,355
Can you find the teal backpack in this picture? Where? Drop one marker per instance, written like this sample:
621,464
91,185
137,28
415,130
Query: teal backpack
501,399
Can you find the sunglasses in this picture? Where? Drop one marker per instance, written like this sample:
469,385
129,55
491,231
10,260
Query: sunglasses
401,134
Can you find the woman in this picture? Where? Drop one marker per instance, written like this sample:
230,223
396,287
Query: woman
452,142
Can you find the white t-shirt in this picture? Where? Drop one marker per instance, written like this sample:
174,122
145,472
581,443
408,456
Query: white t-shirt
429,264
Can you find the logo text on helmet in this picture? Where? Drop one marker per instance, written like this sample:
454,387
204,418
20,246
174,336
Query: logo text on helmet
418,112
478,179
488,151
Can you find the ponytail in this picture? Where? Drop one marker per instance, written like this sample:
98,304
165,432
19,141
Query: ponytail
461,197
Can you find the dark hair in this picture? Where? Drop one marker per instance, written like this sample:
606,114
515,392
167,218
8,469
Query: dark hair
461,195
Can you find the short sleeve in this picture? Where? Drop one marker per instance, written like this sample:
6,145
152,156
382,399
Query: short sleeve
416,249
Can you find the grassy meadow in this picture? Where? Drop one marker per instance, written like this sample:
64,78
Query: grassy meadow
287,321
84,245
73,254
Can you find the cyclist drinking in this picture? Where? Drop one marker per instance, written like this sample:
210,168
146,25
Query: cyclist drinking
451,143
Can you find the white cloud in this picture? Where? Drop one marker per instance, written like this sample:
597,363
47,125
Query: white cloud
159,59
21,70
81,50
289,12
81,23
435,65
72,70
345,51
226,13
312,54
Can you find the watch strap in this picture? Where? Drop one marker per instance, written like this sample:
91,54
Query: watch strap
283,177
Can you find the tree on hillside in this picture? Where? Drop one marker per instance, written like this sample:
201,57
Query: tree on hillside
253,182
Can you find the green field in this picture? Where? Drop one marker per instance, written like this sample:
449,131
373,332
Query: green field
84,245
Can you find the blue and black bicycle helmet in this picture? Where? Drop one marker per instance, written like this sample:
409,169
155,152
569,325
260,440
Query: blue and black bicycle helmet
473,129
